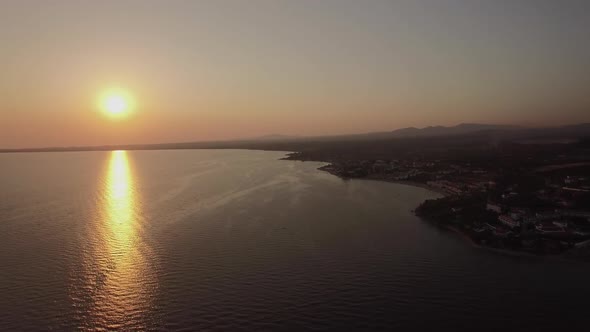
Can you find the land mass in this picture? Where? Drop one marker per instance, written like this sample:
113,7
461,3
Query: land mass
526,192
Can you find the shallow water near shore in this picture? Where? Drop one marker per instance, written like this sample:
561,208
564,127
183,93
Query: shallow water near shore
240,240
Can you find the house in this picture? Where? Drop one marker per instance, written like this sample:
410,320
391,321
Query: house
449,187
549,228
493,207
508,221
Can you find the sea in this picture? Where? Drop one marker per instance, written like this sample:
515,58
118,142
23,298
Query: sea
238,240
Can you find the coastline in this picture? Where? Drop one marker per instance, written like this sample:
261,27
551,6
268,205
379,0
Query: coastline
517,253
458,232
326,168
413,184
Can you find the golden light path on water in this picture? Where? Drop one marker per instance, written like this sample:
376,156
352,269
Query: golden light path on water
123,282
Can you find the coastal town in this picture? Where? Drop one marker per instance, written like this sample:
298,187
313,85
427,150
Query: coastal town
530,201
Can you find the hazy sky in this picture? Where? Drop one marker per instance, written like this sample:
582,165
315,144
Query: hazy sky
202,70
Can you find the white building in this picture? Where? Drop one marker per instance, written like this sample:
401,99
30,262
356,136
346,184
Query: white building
507,220
493,207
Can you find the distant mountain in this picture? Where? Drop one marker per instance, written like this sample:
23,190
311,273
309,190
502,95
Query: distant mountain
498,132
463,128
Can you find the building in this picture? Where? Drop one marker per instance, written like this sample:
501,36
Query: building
549,228
508,221
494,207
447,186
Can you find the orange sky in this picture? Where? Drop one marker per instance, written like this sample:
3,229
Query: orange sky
208,70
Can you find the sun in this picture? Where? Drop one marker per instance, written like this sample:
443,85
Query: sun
116,103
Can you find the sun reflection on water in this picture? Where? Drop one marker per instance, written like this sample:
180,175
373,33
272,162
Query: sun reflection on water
119,191
120,207
119,272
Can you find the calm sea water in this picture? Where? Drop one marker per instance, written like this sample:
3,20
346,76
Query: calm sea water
239,240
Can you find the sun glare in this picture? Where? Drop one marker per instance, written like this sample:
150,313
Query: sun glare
116,103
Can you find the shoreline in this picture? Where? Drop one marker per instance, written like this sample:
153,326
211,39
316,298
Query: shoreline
458,232
413,184
517,253
404,182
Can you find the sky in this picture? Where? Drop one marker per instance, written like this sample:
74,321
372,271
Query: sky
210,70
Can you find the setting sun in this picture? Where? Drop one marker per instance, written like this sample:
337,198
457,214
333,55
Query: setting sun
116,103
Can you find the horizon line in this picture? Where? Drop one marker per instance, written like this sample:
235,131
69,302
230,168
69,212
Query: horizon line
259,139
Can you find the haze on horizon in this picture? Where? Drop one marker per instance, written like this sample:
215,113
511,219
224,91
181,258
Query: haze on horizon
206,70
